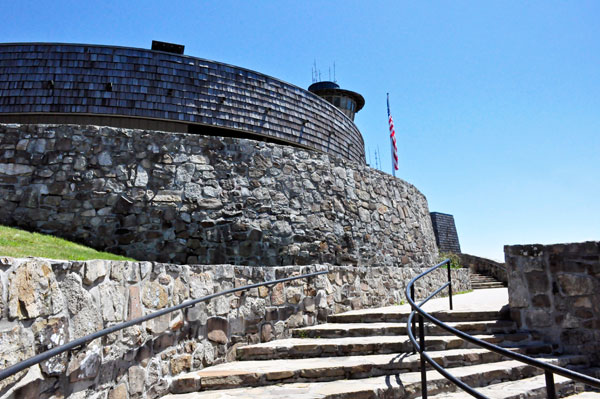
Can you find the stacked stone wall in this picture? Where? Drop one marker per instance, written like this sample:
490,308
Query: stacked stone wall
46,303
555,290
485,266
182,198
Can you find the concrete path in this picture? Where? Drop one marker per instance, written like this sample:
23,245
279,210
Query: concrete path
481,300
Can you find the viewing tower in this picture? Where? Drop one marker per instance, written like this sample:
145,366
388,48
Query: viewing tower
349,102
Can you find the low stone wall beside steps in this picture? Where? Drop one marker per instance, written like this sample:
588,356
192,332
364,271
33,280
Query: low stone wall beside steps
46,303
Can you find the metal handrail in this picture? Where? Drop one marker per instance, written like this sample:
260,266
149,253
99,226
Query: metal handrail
549,369
7,372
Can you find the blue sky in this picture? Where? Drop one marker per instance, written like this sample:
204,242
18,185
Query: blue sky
496,103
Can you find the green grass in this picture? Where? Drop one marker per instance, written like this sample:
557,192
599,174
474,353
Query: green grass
462,292
454,259
19,244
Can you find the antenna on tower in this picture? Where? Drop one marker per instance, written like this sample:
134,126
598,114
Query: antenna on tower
330,74
375,155
334,72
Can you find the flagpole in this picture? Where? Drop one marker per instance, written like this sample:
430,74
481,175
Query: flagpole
393,150
391,143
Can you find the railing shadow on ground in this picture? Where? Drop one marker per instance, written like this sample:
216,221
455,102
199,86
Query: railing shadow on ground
549,369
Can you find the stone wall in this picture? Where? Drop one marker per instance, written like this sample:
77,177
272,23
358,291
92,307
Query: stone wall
184,198
46,303
555,290
446,236
484,266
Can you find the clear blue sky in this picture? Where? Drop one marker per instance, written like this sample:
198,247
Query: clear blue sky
496,103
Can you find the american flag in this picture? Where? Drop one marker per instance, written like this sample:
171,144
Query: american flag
392,139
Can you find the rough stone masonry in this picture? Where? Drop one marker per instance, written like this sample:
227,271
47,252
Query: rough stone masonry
46,303
555,290
184,198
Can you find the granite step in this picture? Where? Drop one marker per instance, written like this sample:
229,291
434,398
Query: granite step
294,348
585,395
485,287
395,314
481,281
335,330
480,275
535,387
264,372
486,283
403,385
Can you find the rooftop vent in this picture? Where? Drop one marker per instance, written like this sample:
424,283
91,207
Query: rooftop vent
167,47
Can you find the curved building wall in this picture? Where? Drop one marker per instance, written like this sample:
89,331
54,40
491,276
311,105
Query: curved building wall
185,198
146,89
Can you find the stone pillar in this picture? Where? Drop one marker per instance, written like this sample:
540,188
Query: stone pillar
555,290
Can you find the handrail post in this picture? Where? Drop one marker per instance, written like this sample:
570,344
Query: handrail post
421,350
450,285
414,321
550,389
549,369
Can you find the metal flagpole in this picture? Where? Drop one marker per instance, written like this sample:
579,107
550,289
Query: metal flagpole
393,148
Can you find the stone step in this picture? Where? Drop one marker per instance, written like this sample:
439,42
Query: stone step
535,387
482,286
264,372
482,278
338,330
398,315
585,395
294,348
486,286
490,281
405,385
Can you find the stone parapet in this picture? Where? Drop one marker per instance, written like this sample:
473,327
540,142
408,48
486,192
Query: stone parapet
46,303
183,198
485,266
555,290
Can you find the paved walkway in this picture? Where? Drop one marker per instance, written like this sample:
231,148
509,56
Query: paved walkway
478,300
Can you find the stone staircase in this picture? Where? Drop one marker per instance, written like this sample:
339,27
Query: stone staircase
367,354
482,281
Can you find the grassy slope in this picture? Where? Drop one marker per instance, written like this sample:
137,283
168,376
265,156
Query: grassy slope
20,243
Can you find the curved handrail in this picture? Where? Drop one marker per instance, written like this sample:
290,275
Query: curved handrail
549,369
7,372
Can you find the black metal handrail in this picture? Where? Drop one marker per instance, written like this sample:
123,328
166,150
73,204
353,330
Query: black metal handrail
7,372
549,369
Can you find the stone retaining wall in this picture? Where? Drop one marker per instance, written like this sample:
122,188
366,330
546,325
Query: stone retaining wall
484,266
555,290
182,198
46,303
